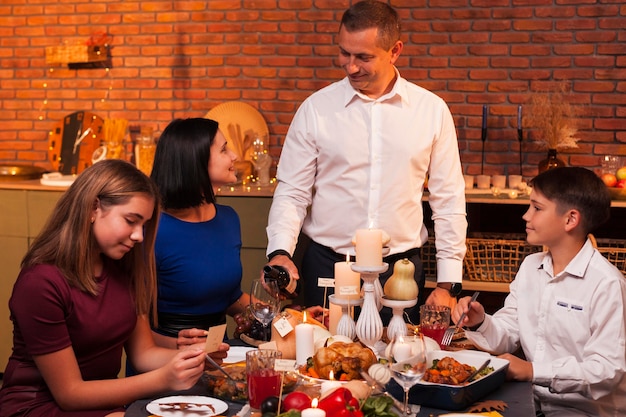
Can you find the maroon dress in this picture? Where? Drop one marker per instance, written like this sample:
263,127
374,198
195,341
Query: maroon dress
49,315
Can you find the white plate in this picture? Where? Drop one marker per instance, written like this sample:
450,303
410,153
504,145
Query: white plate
56,179
199,406
237,354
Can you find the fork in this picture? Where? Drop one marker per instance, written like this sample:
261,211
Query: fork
447,336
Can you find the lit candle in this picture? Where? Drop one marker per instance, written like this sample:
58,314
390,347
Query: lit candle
369,247
347,282
313,411
305,347
401,351
330,385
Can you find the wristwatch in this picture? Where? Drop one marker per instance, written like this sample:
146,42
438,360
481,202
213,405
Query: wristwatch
454,288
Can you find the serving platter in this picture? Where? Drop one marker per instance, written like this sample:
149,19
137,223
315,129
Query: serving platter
455,397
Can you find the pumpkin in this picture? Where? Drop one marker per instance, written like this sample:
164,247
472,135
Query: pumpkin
401,285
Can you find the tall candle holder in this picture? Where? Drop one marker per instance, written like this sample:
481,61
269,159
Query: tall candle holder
397,326
346,325
369,326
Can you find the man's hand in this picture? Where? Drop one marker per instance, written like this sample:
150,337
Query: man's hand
519,369
285,262
441,297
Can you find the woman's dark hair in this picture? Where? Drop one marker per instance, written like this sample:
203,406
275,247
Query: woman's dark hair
578,188
369,14
181,163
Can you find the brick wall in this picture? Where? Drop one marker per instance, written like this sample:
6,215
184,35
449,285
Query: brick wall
180,58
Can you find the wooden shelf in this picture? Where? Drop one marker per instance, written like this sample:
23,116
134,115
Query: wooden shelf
487,286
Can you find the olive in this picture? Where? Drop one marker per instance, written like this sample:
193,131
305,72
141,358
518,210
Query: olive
270,405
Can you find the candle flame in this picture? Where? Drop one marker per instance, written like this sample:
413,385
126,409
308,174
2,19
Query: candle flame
304,317
331,375
314,402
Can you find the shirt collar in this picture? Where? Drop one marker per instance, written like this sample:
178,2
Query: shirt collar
577,266
399,89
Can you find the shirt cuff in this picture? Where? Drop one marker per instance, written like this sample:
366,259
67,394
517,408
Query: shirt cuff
278,252
449,270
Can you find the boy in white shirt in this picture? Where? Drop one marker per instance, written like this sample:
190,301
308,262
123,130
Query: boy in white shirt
566,307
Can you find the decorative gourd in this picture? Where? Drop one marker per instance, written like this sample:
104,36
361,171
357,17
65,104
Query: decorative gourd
401,284
287,344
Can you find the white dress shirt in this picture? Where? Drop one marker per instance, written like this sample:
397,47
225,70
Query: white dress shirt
571,327
357,162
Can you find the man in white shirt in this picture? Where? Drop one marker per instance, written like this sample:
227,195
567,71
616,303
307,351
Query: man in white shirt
357,155
567,305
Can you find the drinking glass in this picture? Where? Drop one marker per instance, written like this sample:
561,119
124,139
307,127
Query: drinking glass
264,302
406,356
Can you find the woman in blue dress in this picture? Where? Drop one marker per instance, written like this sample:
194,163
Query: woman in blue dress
198,241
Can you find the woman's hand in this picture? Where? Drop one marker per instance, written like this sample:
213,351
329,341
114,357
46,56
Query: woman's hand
188,337
319,313
218,356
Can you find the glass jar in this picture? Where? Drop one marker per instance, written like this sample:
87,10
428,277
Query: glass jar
145,147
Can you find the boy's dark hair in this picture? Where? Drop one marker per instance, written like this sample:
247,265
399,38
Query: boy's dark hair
369,14
578,188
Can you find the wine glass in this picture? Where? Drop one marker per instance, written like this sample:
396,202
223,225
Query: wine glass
406,356
264,302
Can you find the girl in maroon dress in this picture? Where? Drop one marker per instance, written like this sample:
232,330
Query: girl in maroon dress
83,295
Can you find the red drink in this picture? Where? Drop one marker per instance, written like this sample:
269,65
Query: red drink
434,332
262,383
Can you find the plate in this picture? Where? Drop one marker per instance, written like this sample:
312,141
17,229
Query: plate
56,179
197,406
237,354
455,397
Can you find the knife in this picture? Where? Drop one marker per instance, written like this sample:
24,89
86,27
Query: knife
477,371
219,368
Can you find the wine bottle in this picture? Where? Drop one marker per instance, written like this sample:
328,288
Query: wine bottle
286,285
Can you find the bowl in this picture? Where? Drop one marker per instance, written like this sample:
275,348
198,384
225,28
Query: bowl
617,193
18,172
455,397
227,390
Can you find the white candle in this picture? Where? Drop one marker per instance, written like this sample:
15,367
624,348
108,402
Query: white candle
402,352
313,411
305,347
347,282
369,247
334,315
330,385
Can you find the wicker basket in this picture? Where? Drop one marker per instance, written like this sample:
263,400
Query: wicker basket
429,260
612,249
495,260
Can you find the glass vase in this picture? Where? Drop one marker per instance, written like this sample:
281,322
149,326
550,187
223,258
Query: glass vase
552,161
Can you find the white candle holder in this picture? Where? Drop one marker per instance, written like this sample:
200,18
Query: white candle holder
346,325
397,326
369,326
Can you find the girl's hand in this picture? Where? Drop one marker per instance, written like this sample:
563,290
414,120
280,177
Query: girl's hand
184,370
218,356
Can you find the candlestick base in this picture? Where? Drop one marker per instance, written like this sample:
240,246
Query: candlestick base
397,326
346,325
369,326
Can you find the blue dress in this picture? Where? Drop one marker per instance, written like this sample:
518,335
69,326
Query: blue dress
198,269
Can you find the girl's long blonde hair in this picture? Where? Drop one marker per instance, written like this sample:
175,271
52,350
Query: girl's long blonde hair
67,239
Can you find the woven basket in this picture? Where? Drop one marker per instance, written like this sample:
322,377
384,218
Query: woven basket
495,260
612,249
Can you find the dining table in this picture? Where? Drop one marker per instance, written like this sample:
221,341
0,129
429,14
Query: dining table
518,397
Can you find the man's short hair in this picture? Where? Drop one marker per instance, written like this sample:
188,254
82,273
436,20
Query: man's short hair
368,14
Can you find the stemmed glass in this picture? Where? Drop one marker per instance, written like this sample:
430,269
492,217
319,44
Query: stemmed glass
406,356
264,302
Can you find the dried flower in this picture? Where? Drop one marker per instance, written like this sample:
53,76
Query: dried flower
552,116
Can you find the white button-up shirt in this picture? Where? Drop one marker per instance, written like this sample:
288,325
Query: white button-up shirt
358,162
571,327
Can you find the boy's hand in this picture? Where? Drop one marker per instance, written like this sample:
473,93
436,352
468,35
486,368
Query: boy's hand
519,369
474,315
